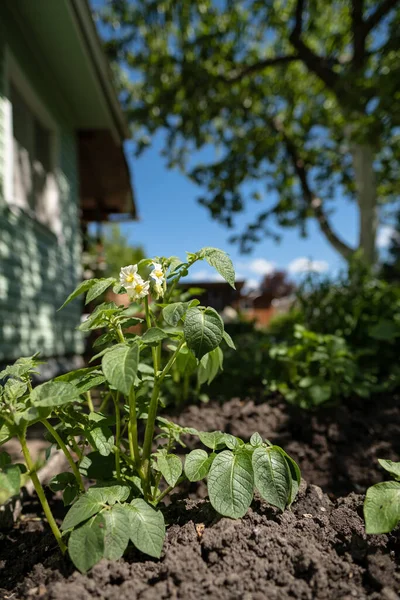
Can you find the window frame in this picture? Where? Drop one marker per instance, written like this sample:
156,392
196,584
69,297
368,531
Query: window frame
15,76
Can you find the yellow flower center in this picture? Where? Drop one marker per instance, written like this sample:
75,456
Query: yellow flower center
138,288
130,278
158,273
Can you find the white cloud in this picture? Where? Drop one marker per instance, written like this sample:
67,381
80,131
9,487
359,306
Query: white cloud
199,275
305,265
385,235
252,284
259,266
205,275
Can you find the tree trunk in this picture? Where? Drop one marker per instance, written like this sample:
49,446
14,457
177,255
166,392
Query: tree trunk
363,164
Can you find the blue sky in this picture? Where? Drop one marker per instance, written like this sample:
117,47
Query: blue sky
172,222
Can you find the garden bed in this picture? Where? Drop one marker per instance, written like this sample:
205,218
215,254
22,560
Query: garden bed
336,448
317,550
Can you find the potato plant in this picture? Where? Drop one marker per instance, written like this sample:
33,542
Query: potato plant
382,501
128,477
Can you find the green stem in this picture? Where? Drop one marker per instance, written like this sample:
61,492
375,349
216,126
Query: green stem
117,434
151,417
68,456
41,495
120,334
89,401
104,403
76,448
132,428
154,352
169,489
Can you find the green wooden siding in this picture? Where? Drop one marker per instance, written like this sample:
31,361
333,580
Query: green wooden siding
37,270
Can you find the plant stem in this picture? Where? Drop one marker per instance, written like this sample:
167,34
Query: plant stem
169,489
68,456
104,403
132,428
154,352
41,495
89,401
120,334
76,448
117,434
151,417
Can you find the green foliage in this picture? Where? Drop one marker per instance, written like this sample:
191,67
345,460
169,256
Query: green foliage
313,369
382,502
365,311
286,91
132,478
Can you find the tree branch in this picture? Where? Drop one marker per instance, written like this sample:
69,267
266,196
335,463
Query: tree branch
310,198
315,63
357,26
237,75
383,9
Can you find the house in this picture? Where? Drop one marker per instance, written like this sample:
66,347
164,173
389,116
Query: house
62,166
217,294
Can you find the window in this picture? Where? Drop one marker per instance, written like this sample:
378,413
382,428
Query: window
31,182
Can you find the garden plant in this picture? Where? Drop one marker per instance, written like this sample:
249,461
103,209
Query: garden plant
116,481
382,501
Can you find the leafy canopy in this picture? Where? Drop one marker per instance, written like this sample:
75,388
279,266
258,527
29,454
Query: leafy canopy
281,89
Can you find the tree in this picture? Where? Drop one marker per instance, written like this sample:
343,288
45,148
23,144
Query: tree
300,97
276,285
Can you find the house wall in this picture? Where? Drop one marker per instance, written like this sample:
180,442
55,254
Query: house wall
38,268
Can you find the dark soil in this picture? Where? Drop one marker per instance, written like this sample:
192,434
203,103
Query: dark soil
336,448
319,550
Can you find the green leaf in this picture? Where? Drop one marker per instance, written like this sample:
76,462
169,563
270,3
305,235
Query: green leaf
95,466
103,439
99,288
209,366
203,330
173,313
221,262
100,316
84,508
61,481
116,532
230,483
229,340
154,336
392,467
5,459
86,544
256,440
83,287
385,330
170,467
272,476
197,464
295,474
320,393
147,528
10,482
5,432
54,393
382,507
212,439
108,494
120,366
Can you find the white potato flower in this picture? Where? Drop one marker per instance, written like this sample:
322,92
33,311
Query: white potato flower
157,290
128,276
138,289
157,273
